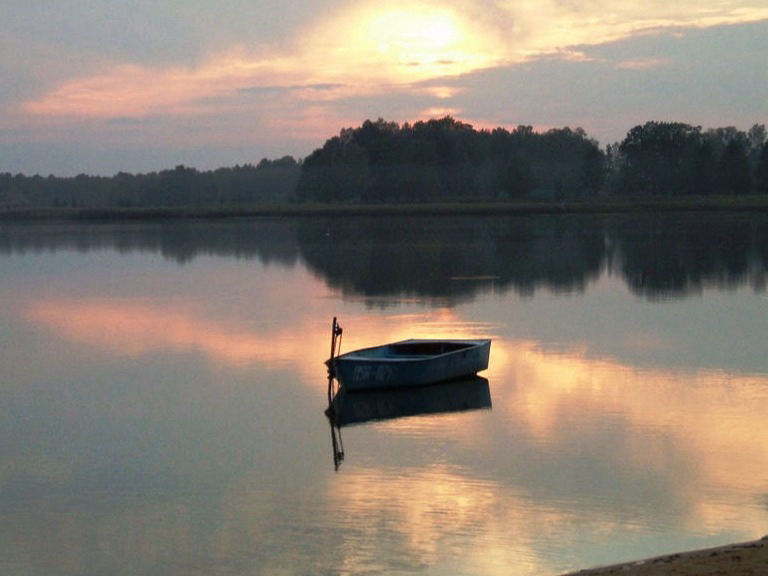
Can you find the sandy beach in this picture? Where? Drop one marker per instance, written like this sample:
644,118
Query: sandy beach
748,558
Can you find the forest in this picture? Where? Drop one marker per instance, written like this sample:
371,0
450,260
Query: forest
441,160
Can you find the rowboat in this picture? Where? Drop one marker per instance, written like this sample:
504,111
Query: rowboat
414,362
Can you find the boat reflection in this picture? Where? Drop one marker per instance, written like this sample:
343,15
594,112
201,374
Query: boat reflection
346,408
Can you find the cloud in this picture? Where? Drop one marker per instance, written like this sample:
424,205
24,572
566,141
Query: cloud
551,25
641,63
370,48
133,91
359,51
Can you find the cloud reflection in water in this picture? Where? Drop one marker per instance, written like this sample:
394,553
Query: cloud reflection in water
576,447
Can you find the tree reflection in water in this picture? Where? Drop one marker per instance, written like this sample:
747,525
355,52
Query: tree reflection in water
454,258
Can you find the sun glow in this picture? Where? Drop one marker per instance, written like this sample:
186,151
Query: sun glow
402,43
415,39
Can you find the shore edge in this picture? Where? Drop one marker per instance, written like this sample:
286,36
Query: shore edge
746,558
754,203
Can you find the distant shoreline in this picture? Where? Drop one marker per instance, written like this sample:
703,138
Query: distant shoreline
606,206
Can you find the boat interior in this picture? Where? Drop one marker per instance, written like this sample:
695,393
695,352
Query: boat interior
424,348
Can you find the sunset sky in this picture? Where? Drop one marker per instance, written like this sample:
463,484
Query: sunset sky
102,86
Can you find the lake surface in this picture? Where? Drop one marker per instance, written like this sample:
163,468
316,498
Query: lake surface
163,395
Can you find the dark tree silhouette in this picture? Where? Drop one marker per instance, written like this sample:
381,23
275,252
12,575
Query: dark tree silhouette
735,177
448,160
761,172
440,160
183,187
671,158
657,157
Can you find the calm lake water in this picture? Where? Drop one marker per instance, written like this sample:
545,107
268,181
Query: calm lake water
162,395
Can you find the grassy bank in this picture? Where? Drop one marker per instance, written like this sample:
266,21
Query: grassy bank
606,206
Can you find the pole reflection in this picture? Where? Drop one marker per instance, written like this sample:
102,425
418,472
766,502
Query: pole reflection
348,408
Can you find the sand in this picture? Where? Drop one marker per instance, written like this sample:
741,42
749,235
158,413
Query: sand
748,558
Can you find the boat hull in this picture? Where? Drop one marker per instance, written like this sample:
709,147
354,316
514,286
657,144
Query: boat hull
410,363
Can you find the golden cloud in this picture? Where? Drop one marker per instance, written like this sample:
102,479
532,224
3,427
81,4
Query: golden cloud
372,47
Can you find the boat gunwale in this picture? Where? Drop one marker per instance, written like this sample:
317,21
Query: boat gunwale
359,354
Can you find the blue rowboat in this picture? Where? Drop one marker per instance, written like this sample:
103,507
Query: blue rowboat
414,362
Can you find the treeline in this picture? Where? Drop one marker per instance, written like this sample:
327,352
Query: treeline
442,160
671,158
271,181
448,160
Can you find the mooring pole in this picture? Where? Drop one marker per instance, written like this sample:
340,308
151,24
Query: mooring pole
335,333
333,338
